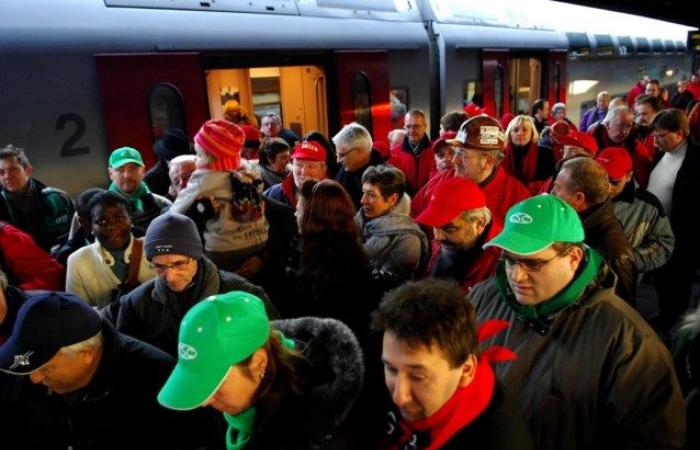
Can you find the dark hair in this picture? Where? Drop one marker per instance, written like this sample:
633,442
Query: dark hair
430,312
588,176
654,81
272,147
537,106
107,198
280,374
82,201
416,112
654,102
331,154
328,208
673,120
10,151
453,120
388,179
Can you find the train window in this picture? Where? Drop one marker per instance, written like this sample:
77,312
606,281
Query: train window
362,100
578,44
556,81
165,109
265,86
472,92
643,46
625,45
498,89
398,97
670,46
657,46
680,46
604,45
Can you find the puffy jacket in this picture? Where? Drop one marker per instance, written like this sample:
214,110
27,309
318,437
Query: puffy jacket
417,165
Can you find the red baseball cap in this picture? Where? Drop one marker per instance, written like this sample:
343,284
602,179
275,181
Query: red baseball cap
579,139
616,160
451,197
309,150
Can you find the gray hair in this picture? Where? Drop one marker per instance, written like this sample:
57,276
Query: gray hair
478,213
274,116
557,107
92,343
602,94
354,135
614,113
3,280
181,159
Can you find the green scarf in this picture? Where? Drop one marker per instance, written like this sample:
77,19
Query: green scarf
591,265
134,198
241,425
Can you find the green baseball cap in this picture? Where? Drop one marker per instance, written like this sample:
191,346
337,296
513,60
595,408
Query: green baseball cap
536,223
217,333
125,155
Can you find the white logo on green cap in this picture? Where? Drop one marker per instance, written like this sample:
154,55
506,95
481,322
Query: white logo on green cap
187,352
520,218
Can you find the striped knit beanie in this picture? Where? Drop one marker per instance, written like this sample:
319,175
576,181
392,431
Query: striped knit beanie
222,140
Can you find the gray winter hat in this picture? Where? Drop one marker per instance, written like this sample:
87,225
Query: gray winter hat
173,233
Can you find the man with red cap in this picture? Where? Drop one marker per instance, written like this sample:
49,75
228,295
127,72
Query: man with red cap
639,211
462,224
226,198
478,147
572,143
308,162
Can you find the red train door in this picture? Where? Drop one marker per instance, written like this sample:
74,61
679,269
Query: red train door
144,94
363,90
556,77
494,73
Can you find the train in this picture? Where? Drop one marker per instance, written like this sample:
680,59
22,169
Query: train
80,78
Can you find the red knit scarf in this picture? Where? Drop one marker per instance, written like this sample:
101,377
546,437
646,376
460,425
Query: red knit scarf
528,163
465,405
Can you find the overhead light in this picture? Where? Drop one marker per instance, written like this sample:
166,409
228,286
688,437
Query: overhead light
579,87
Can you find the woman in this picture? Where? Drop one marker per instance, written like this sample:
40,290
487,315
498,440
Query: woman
280,385
524,158
393,242
274,160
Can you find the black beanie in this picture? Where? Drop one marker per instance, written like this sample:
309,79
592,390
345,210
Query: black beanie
173,233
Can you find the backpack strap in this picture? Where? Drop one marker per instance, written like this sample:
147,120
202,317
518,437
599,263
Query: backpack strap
132,278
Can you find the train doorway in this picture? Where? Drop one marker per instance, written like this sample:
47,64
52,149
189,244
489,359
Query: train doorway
296,93
525,80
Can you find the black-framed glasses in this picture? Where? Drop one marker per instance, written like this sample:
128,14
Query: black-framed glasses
177,265
528,265
343,155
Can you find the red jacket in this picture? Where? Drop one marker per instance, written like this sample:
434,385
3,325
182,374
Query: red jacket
416,169
642,156
635,92
28,266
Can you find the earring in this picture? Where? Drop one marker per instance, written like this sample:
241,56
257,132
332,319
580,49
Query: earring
262,374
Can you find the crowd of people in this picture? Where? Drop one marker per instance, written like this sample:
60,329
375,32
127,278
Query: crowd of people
259,290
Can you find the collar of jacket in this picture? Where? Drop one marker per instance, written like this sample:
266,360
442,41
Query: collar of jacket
206,282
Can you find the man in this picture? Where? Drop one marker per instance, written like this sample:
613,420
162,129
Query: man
271,127
694,86
478,149
616,131
583,183
443,388
308,162
173,144
637,90
100,386
127,171
540,114
461,224
590,373
180,170
153,311
675,181
596,113
645,108
640,212
451,121
355,154
43,212
26,265
653,88
682,98
414,157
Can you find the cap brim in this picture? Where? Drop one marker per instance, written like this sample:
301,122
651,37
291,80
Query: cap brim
127,161
435,216
517,243
9,363
454,141
186,389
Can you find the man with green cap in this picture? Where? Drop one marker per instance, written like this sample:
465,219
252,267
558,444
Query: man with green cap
127,172
280,385
590,372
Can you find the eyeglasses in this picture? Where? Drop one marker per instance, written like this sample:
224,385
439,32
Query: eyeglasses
343,155
460,153
177,265
528,265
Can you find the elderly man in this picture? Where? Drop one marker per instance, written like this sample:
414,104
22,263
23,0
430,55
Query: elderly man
478,149
583,183
127,172
100,385
443,388
180,170
461,224
271,127
308,162
616,131
153,311
355,154
43,212
414,156
675,180
596,113
590,372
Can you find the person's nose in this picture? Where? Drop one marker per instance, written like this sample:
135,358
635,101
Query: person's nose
401,392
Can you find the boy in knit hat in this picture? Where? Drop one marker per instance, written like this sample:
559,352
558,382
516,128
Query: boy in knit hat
226,200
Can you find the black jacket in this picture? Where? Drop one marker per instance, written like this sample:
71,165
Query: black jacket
352,181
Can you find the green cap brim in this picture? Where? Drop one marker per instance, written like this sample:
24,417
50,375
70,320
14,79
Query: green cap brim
127,161
186,390
517,243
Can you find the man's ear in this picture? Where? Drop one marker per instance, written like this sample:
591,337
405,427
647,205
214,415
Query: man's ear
468,370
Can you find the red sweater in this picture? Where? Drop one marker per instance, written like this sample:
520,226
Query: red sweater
28,266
